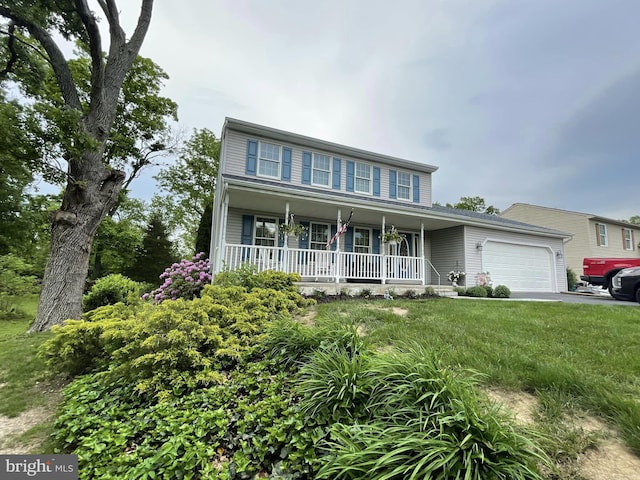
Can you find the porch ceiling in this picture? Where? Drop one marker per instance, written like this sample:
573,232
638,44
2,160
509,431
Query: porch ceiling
326,209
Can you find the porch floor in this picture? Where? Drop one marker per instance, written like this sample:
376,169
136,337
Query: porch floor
376,289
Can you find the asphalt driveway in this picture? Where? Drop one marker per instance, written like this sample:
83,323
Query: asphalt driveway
593,299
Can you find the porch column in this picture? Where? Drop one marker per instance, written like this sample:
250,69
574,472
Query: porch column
221,241
337,257
424,262
383,258
285,254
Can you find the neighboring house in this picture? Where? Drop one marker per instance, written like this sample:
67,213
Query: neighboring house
268,175
592,235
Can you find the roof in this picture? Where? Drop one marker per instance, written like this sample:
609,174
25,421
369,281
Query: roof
288,137
438,212
590,216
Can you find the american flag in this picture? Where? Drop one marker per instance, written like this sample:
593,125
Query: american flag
341,230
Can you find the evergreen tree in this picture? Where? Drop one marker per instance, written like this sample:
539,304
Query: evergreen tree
156,254
203,236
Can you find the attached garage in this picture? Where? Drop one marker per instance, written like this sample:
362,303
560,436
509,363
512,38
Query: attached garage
523,268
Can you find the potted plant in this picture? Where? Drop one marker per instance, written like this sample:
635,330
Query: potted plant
392,236
455,276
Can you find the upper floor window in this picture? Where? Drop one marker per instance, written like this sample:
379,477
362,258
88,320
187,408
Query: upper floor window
269,160
601,230
361,240
627,239
265,233
363,178
403,188
321,170
319,236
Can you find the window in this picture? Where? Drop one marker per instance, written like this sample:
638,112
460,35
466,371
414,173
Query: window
363,178
361,240
403,186
601,230
269,160
321,170
266,231
627,239
319,236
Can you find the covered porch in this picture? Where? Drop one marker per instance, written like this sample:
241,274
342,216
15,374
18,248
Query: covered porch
334,265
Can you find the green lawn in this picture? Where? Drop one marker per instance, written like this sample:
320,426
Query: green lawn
25,382
585,355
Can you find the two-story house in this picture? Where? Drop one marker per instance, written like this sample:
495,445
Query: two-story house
592,235
269,177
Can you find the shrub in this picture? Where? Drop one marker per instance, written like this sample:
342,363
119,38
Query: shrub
430,292
366,293
476,291
460,291
14,279
411,294
110,290
572,279
502,291
183,280
489,290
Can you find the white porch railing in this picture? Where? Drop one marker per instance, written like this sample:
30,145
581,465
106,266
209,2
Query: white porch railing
327,265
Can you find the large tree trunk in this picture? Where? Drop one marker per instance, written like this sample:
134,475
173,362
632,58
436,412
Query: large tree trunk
73,229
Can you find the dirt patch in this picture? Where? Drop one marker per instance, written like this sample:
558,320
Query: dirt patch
610,461
12,427
309,318
523,405
402,312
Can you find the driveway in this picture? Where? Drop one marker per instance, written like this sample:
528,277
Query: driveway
593,299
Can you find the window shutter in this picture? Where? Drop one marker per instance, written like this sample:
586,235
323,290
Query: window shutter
337,165
286,164
247,230
376,241
252,157
376,181
350,175
348,240
416,189
303,240
392,184
306,168
624,243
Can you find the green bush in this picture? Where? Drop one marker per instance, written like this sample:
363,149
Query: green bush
476,291
110,290
489,290
172,347
572,279
14,278
430,292
502,291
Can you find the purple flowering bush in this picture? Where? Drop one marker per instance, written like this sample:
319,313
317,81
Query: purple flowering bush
182,280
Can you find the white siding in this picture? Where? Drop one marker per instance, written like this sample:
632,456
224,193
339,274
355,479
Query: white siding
475,235
236,152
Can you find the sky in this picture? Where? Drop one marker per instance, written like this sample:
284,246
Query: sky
532,101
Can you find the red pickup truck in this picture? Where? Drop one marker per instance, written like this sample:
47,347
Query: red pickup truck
600,271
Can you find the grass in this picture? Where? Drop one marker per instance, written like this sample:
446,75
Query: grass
586,354
24,380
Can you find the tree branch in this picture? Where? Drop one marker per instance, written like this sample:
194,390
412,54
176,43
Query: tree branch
143,26
11,45
56,57
95,50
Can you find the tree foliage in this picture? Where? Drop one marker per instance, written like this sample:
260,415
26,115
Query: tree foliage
157,252
475,204
190,184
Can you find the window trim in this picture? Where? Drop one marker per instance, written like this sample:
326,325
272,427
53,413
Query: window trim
369,247
601,234
627,241
311,242
255,231
259,158
330,171
409,187
355,177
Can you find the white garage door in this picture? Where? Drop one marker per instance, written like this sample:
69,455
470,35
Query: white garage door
522,268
